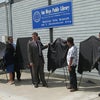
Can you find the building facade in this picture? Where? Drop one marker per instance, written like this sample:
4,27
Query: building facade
86,22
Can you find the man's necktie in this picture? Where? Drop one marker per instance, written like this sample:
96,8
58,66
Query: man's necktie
39,48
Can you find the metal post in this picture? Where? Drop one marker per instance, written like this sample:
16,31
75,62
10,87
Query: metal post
50,29
8,7
7,19
51,34
10,19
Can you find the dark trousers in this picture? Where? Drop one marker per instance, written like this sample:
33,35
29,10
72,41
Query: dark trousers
32,76
17,67
37,73
18,73
73,78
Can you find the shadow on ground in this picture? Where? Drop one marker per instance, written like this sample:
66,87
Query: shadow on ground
90,85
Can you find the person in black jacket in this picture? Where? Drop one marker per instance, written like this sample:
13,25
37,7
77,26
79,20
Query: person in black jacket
9,59
16,69
16,65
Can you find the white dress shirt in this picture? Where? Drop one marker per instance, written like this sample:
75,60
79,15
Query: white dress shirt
72,53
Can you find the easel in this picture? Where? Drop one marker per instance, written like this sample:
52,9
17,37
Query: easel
65,75
3,70
80,79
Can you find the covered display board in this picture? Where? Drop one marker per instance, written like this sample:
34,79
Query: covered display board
88,53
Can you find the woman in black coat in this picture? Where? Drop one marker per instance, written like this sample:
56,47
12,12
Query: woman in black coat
9,59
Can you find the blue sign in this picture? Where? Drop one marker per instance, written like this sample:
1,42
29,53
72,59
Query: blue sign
52,16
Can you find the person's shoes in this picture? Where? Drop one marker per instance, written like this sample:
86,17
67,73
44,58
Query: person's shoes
73,90
99,94
38,82
11,82
45,85
36,85
33,83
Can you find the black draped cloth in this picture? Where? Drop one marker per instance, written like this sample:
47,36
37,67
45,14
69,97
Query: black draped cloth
2,53
88,53
57,54
97,61
2,49
21,52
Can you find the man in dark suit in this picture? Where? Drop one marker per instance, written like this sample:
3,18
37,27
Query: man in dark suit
36,60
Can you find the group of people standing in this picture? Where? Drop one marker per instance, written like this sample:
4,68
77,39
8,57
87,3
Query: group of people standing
36,61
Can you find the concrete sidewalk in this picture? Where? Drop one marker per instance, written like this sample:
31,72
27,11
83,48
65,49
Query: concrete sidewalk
56,91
